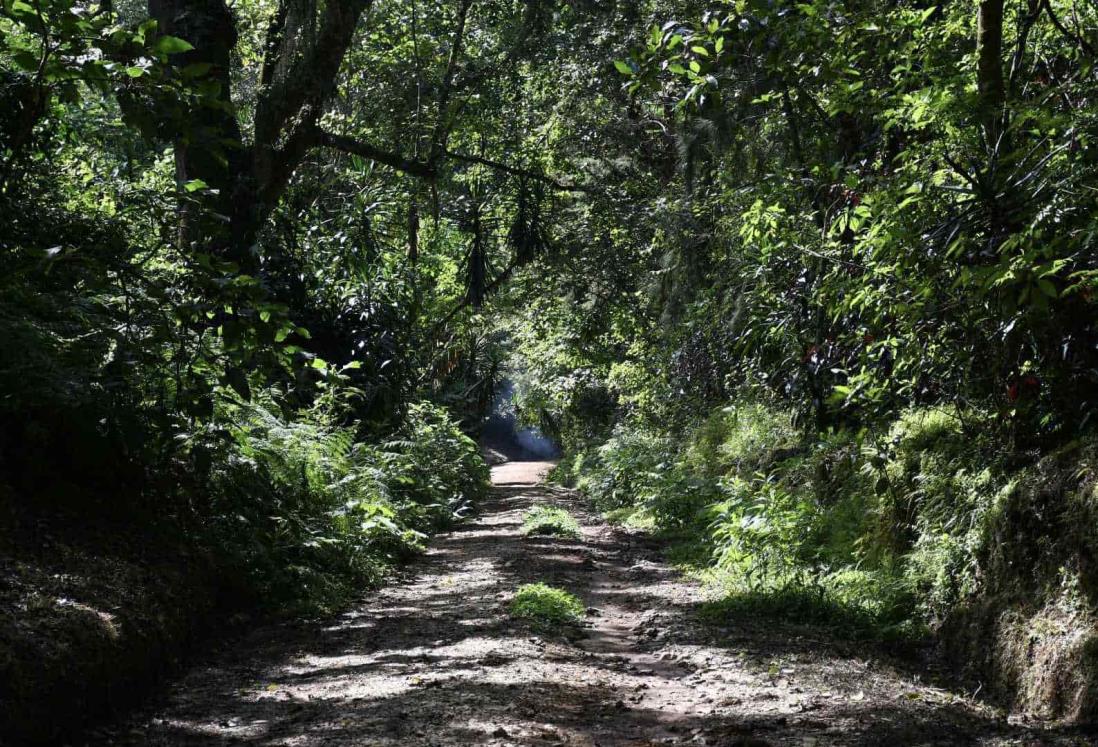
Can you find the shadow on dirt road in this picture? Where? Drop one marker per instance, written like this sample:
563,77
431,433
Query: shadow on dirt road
434,659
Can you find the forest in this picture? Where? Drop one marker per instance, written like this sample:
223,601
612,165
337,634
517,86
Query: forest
620,372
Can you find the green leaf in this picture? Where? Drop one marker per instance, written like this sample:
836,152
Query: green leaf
147,27
25,60
20,8
194,185
166,45
623,67
1047,288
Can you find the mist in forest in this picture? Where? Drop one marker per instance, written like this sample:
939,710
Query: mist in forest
505,435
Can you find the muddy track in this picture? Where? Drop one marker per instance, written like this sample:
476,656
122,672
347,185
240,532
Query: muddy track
434,659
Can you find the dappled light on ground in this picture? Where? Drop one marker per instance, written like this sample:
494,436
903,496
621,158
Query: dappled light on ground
436,660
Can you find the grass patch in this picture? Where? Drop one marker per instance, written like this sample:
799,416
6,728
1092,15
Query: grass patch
687,551
546,606
631,517
817,606
548,520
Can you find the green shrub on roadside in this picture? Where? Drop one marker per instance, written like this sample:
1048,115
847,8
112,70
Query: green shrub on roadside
855,605
625,466
307,514
743,437
879,527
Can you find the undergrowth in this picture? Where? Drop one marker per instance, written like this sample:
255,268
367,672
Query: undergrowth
550,521
308,514
876,534
546,606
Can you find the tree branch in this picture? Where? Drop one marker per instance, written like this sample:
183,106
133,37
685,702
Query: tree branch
412,167
1025,25
299,76
1076,38
442,129
529,25
514,170
429,169
273,45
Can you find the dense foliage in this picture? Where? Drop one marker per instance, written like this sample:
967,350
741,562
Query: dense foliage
842,312
811,284
212,329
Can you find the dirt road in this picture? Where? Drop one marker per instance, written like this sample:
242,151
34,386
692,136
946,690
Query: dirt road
434,659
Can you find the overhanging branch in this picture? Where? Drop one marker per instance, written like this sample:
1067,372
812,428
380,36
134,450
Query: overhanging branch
508,169
410,166
429,169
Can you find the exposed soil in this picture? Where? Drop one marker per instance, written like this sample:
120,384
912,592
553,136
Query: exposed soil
91,613
435,659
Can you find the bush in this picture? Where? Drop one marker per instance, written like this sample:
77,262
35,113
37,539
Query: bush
308,514
882,527
626,465
859,605
440,467
761,528
743,437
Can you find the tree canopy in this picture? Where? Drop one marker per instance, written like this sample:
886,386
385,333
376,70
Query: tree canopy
268,263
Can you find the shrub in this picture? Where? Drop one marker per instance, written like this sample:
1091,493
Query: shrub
853,604
742,437
869,526
760,528
437,471
626,464
307,514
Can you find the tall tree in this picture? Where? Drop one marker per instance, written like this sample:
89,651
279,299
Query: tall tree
304,50
306,43
989,68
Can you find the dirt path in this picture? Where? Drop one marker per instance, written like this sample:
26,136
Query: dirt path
435,660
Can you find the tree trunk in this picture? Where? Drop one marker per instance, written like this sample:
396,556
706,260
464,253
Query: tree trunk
989,69
208,142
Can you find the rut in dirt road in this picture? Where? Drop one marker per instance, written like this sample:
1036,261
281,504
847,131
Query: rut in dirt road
435,660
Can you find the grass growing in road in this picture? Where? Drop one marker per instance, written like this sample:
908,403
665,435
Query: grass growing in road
546,606
548,520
